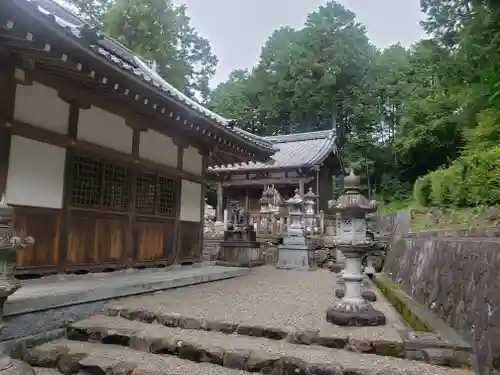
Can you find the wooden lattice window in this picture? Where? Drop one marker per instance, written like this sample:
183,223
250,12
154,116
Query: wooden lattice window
116,188
166,196
99,184
146,193
87,182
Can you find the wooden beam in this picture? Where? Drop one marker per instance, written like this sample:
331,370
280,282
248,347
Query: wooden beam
266,181
25,130
74,113
7,103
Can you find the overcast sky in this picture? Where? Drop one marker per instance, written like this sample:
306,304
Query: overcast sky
237,29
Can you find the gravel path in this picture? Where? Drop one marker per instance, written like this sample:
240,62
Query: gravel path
271,298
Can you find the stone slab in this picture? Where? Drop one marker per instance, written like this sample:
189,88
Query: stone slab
65,290
111,359
42,309
238,350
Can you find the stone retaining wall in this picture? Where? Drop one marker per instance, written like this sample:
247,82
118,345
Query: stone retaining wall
457,275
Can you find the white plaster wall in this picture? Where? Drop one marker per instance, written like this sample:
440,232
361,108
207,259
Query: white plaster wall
104,129
191,201
192,161
36,174
157,147
40,106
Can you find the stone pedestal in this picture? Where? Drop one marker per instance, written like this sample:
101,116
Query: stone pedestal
296,253
240,249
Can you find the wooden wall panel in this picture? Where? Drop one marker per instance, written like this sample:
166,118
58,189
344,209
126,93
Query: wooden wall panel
44,226
189,247
153,240
96,239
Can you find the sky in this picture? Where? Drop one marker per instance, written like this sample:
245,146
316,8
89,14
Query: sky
237,29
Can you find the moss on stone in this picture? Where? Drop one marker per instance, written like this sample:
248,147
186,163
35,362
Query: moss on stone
399,300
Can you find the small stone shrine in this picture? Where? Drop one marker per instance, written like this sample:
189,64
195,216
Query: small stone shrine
9,245
297,251
240,247
353,309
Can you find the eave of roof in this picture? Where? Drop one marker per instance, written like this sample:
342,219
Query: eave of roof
135,67
300,150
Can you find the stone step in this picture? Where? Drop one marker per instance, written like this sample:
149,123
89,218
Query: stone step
74,357
254,354
328,338
46,371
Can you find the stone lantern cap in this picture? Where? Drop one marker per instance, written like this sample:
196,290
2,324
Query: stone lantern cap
295,200
267,195
353,202
310,196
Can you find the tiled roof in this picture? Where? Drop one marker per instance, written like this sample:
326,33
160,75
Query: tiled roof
295,150
132,64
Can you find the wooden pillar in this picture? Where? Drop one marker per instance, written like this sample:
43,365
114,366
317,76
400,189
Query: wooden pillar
204,158
65,218
317,169
247,206
220,202
178,196
7,100
301,187
131,252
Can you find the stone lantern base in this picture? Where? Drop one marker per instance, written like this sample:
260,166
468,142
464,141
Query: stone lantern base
296,253
354,314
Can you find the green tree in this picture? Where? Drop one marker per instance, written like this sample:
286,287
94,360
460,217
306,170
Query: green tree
160,31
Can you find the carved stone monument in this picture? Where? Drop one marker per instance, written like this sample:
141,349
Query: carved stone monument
297,251
9,245
240,247
353,309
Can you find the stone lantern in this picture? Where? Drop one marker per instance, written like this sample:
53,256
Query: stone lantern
296,252
353,309
309,203
9,245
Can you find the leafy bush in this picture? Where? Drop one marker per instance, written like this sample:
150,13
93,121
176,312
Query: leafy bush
422,190
472,180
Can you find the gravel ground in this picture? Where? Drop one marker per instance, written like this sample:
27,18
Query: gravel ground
101,356
270,298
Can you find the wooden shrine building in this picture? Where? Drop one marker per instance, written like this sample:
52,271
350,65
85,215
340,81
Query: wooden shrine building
303,160
103,161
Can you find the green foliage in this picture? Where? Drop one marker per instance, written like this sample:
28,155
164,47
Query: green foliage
159,31
472,180
422,190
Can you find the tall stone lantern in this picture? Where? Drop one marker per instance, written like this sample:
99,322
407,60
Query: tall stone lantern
297,251
9,245
353,309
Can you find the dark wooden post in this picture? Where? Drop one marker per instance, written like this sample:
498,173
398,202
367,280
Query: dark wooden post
204,157
65,218
178,197
7,101
220,202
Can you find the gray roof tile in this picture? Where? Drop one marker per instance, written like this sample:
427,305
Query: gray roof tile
295,150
